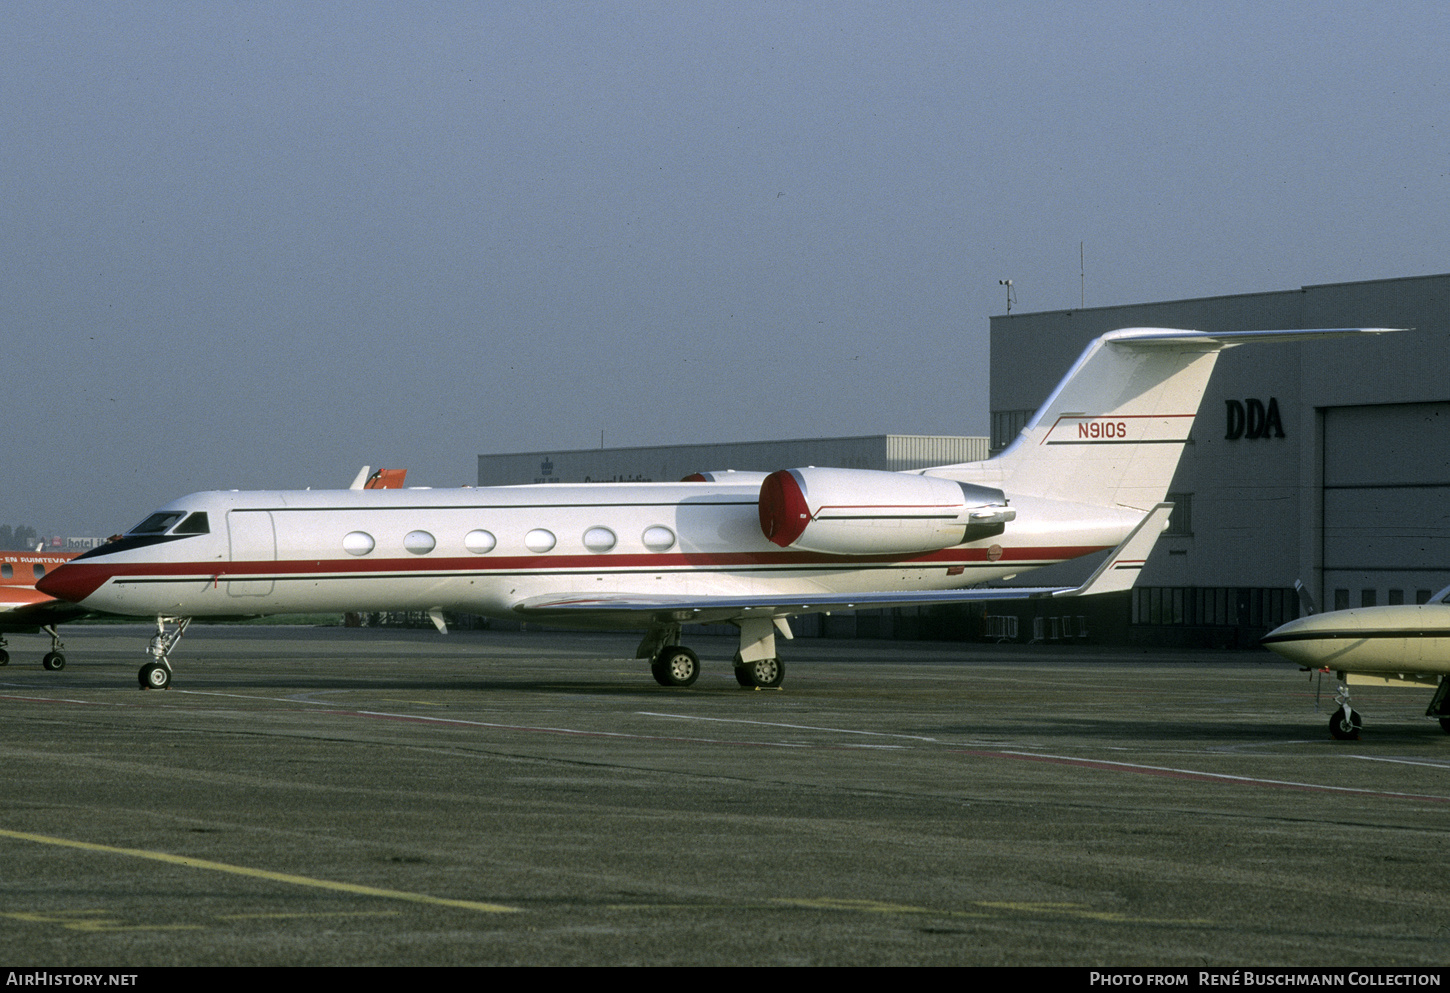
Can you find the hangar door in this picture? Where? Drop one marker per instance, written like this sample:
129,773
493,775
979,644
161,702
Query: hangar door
1386,503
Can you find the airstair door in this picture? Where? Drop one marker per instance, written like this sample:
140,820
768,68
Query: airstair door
254,545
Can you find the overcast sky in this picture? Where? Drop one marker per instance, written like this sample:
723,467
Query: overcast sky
257,245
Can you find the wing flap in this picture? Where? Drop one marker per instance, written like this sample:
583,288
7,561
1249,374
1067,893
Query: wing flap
707,609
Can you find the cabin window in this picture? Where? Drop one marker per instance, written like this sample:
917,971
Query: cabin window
539,540
659,538
6,571
195,524
599,539
419,542
357,543
158,523
479,542
38,570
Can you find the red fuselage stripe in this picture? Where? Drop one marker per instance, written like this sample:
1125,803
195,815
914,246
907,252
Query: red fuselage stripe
78,580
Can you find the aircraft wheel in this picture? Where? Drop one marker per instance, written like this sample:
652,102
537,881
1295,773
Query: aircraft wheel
53,661
1345,727
676,666
1444,721
4,657
154,676
767,673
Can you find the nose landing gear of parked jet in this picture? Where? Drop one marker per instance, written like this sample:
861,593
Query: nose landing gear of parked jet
1345,724
156,674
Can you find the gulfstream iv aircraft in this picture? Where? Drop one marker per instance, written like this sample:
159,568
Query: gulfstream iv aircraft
1087,474
1401,645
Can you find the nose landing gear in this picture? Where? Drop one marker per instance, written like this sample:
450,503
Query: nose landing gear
156,674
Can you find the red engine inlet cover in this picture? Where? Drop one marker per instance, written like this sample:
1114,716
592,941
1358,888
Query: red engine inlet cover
783,511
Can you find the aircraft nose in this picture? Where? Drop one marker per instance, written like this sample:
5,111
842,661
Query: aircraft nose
1294,640
71,582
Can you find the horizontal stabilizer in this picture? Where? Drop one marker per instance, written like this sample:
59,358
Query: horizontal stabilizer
1120,569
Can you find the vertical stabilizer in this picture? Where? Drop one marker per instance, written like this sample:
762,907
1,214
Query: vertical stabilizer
1112,432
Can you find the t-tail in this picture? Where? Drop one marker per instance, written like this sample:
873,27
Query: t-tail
1112,432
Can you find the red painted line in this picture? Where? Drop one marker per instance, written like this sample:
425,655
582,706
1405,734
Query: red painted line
78,580
1104,765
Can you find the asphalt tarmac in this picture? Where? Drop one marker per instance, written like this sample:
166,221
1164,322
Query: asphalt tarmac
308,796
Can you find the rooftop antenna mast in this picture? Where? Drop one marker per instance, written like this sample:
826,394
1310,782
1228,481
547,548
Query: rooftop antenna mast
1011,293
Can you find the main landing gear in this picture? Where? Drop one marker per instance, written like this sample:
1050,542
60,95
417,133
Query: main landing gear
756,664
156,674
53,661
1439,708
1347,722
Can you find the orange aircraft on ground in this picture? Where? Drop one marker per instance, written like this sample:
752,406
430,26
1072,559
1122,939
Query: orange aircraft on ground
24,609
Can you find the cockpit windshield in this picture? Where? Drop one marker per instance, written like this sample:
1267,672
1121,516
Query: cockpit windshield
158,523
195,524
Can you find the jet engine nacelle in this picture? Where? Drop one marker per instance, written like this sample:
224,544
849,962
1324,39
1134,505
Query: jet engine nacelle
866,511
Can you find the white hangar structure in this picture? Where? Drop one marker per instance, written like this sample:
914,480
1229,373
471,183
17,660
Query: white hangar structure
671,463
1326,462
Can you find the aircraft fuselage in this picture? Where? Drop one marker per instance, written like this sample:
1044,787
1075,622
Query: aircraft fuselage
484,550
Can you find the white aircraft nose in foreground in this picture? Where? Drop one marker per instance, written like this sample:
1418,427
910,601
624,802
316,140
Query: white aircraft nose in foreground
1400,645
1087,474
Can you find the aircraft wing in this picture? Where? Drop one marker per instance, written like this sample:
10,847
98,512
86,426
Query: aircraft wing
1117,573
711,608
23,608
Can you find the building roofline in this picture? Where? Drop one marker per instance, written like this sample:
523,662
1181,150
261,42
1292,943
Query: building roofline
720,444
1222,296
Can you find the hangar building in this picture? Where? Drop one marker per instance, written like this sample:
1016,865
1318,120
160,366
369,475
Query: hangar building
671,463
1327,462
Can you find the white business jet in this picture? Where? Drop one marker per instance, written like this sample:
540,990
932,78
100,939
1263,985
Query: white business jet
1400,645
1087,474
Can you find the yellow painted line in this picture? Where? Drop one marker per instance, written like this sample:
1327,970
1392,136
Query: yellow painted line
870,907
290,916
85,920
276,877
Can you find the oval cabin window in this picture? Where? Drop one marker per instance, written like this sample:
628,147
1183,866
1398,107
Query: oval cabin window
479,542
659,538
419,542
358,543
599,539
539,540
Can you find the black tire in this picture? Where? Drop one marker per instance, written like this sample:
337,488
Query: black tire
1345,727
769,673
766,673
676,666
154,676
53,661
4,657
1445,724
